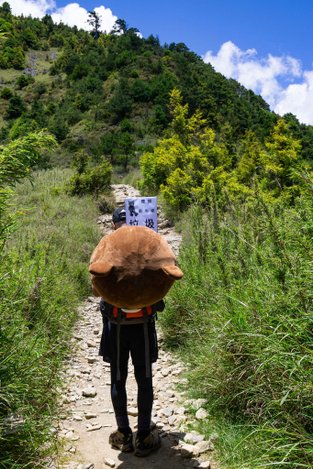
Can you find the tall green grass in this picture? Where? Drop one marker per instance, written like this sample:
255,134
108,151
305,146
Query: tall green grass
242,318
43,277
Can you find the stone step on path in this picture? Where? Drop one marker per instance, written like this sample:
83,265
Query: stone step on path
87,416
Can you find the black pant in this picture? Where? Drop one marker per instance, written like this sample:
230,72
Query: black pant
131,342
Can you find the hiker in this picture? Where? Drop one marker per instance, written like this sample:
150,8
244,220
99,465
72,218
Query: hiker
130,332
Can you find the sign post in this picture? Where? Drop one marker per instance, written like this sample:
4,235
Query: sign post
142,211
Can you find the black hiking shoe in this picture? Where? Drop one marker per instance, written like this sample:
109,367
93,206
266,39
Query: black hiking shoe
122,442
145,445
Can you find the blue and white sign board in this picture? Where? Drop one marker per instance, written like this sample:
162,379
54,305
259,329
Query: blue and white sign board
142,211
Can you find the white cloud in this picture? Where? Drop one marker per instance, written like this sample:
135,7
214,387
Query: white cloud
107,18
72,14
298,99
34,8
274,78
75,15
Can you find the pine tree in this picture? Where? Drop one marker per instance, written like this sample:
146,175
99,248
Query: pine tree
94,20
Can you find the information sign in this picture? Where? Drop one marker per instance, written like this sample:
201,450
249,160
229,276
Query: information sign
142,211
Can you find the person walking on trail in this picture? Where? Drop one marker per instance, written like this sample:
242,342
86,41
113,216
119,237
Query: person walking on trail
132,333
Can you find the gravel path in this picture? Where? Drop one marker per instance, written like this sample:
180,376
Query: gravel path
87,416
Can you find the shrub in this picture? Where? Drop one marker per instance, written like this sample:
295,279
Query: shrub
106,203
42,280
242,317
16,107
24,80
58,127
21,127
40,89
6,93
92,181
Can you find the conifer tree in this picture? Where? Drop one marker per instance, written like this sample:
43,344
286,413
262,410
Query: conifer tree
94,20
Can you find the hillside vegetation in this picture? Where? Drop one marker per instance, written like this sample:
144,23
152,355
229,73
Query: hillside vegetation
79,110
109,95
42,280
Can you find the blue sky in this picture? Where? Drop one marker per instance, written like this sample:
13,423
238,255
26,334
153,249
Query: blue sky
271,26
266,45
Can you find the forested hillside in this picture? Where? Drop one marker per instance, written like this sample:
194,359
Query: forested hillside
108,93
79,110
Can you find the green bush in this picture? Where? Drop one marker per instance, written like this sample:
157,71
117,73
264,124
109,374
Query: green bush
42,280
16,107
92,181
242,316
6,93
24,80
106,203
22,126
39,89
16,161
58,127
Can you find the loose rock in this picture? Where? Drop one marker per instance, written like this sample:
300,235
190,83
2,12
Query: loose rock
205,465
132,411
201,414
204,446
109,462
89,392
193,438
94,428
188,451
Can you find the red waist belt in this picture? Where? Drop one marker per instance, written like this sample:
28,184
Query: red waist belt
135,315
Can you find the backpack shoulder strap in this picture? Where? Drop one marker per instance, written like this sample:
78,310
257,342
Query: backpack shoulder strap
146,312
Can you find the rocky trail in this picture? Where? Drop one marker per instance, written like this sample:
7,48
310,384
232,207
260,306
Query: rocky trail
87,416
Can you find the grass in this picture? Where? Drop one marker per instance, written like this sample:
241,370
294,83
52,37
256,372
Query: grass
132,177
43,277
42,65
242,319
44,59
9,76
